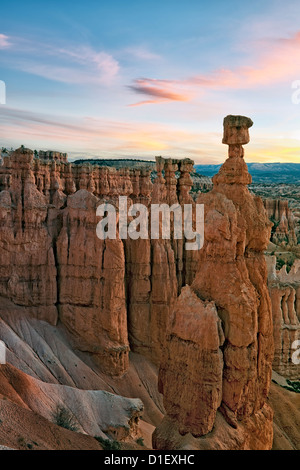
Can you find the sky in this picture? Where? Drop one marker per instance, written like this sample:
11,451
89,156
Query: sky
137,79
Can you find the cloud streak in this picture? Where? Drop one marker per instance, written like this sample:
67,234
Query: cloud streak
100,136
161,90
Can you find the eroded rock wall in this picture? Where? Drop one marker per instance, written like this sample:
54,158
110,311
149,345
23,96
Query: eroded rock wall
284,291
284,229
108,293
28,268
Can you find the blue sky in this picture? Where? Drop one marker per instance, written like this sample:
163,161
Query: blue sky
138,79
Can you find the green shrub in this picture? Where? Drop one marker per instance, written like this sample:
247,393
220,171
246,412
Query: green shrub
64,418
290,263
108,444
293,386
140,441
280,262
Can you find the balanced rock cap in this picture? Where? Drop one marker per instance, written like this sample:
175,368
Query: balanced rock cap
236,130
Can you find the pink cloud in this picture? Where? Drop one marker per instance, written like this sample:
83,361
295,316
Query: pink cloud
277,61
274,62
162,90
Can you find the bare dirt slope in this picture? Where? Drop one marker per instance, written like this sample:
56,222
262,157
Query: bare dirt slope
286,406
23,429
44,371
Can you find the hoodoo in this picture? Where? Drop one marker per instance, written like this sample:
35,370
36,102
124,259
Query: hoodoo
216,371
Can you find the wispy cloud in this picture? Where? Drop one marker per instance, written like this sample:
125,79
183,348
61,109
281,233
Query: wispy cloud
102,62
4,41
70,74
80,64
141,53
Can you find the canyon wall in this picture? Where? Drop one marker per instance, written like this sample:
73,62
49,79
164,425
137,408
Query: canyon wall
284,228
111,295
285,296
